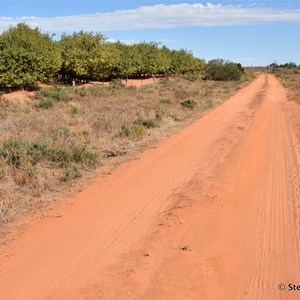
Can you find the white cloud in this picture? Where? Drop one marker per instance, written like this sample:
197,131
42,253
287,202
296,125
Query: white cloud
159,17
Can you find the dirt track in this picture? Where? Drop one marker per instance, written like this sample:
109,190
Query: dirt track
210,213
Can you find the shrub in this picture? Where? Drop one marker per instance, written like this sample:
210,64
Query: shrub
21,154
73,109
66,155
137,131
56,93
15,152
134,131
70,173
222,70
44,103
190,104
80,154
125,130
39,150
147,123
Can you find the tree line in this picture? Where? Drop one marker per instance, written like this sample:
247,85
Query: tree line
28,56
288,65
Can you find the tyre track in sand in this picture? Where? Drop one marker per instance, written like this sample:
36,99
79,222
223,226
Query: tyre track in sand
277,260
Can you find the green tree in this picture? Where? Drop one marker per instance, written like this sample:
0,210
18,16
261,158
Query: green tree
88,56
104,61
183,61
129,62
27,56
164,61
148,57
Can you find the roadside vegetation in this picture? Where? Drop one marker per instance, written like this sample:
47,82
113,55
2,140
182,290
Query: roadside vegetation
68,130
63,134
289,74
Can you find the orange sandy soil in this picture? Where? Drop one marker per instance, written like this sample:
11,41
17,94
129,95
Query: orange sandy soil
211,213
21,96
129,82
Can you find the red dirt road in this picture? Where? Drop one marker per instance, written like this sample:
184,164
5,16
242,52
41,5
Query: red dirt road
210,213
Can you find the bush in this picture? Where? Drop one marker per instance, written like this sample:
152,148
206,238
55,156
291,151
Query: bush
73,109
56,93
135,131
23,157
80,154
44,103
222,70
39,150
190,104
16,153
125,130
66,155
147,123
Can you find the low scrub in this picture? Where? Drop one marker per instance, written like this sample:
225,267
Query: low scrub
56,93
46,143
190,104
291,81
24,157
135,131
147,123
44,103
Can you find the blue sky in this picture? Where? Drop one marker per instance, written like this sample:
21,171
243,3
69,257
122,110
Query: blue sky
250,32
